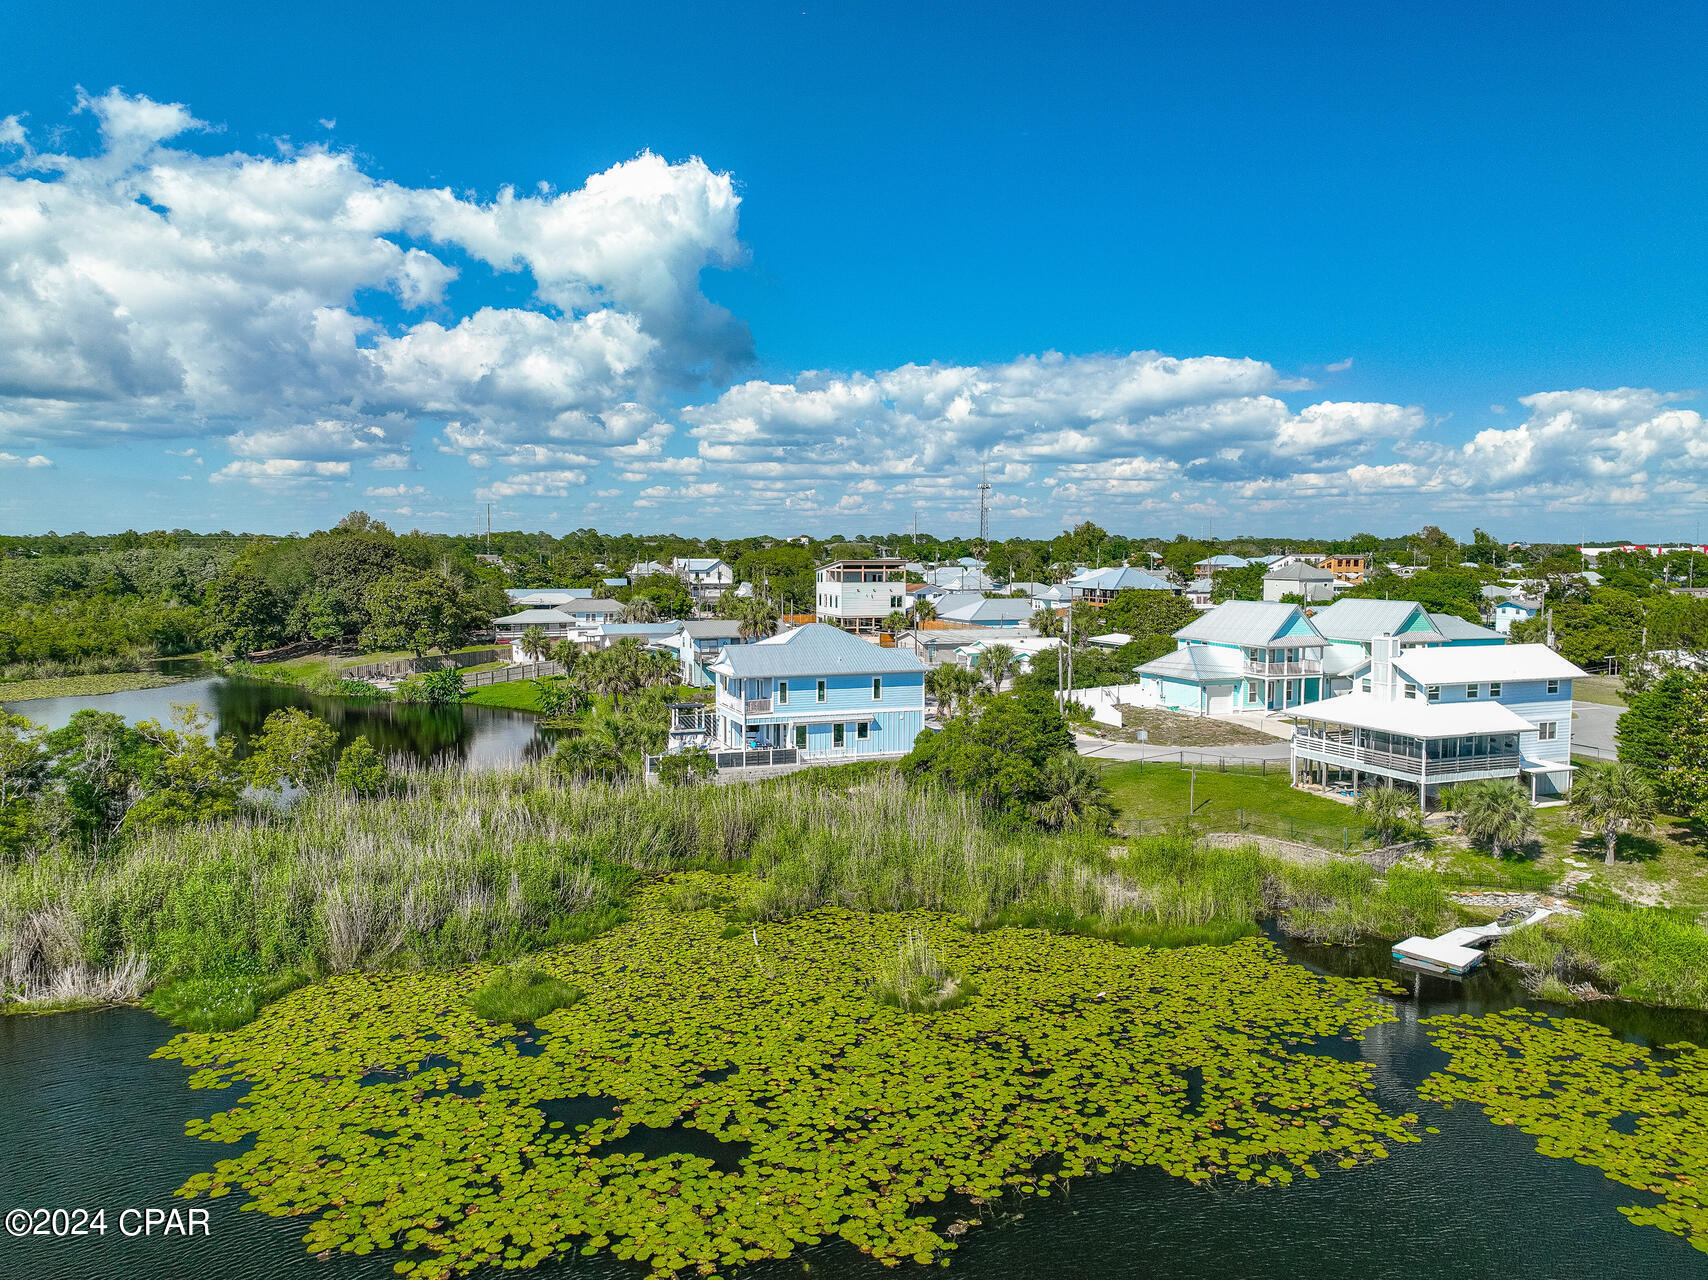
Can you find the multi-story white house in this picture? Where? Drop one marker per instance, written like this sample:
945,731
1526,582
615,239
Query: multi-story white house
574,620
857,595
1428,716
706,577
1244,655
820,691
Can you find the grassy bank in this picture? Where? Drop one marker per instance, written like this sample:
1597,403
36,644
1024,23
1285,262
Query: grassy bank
511,695
82,686
328,673
1655,957
456,867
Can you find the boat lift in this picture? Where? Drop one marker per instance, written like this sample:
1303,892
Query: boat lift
1459,951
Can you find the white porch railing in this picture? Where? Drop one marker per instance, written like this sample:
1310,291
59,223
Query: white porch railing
1306,667
1340,751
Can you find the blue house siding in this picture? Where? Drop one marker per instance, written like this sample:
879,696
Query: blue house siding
892,720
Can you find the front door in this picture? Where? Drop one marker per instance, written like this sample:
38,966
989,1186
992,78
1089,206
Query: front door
838,735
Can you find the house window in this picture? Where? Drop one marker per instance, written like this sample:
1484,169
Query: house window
782,693
877,687
862,730
1494,688
1433,693
895,602
1411,690
821,691
800,737
1546,731
838,735
1553,686
1473,690
1364,685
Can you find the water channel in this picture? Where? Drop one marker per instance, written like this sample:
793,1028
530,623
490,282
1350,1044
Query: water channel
91,1120
472,736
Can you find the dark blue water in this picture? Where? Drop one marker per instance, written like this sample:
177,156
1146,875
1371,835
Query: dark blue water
90,1120
472,736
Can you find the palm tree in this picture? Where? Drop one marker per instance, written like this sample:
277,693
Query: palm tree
639,609
1074,794
996,664
588,757
1611,798
533,642
1388,811
896,621
1496,813
952,686
757,618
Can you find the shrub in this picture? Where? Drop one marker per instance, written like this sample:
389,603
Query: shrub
915,980
516,995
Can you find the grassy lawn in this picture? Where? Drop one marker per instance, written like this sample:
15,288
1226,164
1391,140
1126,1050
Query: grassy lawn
1602,689
1170,728
512,695
82,686
330,665
1162,791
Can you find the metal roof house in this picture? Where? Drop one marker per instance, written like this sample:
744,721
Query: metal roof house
1243,655
1427,717
820,692
699,643
574,620
985,611
1100,585
1299,579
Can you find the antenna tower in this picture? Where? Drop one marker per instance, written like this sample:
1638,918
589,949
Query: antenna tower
984,506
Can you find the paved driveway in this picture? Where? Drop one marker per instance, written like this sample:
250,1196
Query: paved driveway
1592,729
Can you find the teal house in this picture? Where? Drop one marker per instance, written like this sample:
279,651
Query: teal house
1244,655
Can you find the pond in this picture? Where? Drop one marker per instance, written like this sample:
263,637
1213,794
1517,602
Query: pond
93,1122
472,736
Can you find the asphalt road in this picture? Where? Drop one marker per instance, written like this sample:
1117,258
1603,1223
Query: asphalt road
1592,728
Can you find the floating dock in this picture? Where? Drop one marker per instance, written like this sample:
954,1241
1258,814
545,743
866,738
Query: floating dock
1461,950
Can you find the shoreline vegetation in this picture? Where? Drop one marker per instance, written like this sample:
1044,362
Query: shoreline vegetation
448,868
84,686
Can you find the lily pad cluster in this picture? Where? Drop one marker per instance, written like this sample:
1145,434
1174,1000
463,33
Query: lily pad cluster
723,1095
1639,1116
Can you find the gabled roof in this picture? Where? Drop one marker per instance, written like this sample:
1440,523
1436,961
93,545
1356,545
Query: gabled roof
1364,620
642,630
698,564
813,650
546,595
1119,578
713,628
536,617
1477,663
1195,662
985,610
1245,622
1225,561
582,608
1298,571
1455,628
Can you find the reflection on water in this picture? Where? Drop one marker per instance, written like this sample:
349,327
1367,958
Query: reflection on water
476,737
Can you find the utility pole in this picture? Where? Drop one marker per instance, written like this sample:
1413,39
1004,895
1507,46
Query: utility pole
984,505
489,528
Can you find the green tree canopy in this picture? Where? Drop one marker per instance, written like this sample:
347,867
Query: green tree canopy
414,609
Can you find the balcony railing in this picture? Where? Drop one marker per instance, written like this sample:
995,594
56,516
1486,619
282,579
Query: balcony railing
1305,667
756,706
1341,751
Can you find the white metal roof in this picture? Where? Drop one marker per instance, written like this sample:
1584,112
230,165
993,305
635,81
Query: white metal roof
813,650
1245,622
1355,619
530,617
1196,662
1416,717
1452,665
1299,571
1454,627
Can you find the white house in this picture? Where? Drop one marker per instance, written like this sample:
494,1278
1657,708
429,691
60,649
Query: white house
1297,578
706,577
821,692
1514,609
857,595
1100,585
574,620
698,644
1428,716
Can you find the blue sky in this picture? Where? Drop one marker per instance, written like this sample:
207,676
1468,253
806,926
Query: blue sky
1315,268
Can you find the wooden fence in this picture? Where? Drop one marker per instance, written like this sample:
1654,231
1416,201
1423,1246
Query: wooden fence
503,675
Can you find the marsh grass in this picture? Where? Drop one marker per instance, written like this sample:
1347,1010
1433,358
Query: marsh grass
916,980
220,1000
517,994
1647,955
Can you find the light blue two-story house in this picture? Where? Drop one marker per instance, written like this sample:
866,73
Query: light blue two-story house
1243,655
817,689
1430,716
